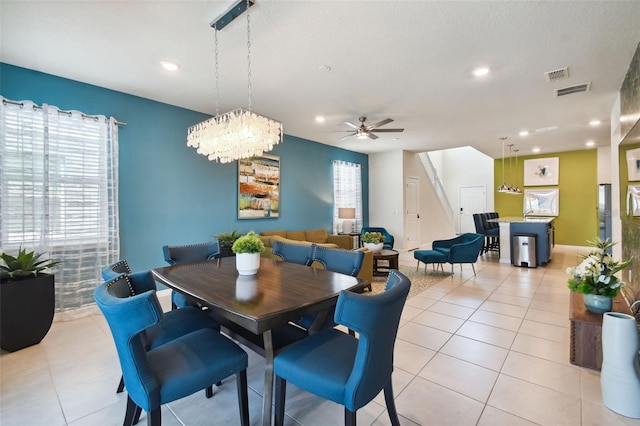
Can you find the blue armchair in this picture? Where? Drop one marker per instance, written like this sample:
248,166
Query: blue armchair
174,255
342,368
464,248
173,370
388,238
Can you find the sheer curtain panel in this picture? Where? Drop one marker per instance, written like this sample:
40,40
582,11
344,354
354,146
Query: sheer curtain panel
347,192
59,193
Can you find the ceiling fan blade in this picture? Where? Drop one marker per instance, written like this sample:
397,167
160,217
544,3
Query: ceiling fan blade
371,136
347,136
379,123
350,124
387,130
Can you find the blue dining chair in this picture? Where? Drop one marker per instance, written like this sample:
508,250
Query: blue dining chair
173,370
342,368
176,323
175,255
302,254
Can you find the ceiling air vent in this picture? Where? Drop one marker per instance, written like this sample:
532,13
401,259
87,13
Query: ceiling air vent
573,89
557,74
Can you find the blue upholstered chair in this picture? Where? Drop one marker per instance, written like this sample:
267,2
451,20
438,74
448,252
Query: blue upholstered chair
296,253
175,255
342,368
388,238
464,248
175,324
170,371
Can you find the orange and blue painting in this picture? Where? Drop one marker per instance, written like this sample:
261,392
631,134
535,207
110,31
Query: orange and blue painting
259,187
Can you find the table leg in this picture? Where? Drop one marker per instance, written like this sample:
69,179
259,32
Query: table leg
268,378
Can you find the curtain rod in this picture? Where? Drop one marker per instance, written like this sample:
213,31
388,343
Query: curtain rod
95,117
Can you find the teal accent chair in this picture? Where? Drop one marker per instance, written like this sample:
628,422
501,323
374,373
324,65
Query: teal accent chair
170,371
176,323
464,248
175,255
342,368
388,238
302,254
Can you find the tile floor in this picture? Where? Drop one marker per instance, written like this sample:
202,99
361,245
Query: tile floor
486,350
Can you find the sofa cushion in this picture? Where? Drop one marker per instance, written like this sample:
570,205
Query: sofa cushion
317,235
297,235
280,232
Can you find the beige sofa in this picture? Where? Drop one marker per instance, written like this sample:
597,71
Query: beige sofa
320,237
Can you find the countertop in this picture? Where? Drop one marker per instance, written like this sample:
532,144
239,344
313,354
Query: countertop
521,220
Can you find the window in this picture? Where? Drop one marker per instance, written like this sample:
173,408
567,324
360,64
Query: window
347,192
58,192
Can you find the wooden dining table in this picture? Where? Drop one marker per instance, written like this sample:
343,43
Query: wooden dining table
256,309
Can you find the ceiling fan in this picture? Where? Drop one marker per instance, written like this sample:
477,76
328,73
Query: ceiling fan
363,131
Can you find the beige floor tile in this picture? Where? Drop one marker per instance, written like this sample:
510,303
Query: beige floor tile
427,403
596,414
463,377
504,309
451,309
476,352
434,293
400,380
90,396
545,331
559,377
410,357
439,321
424,336
467,301
493,417
535,403
487,334
590,386
510,300
496,320
546,317
420,302
409,313
526,291
558,308
542,348
45,411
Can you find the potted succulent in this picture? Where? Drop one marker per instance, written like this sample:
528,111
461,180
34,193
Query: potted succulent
247,249
27,299
374,241
226,240
595,277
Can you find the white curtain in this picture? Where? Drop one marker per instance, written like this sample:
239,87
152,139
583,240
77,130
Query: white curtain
347,192
59,193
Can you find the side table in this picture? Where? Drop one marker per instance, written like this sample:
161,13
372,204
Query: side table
355,238
390,258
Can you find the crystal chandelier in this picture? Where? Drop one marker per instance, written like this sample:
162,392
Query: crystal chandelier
240,133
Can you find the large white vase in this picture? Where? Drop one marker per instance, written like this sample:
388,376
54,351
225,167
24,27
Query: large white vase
620,374
247,263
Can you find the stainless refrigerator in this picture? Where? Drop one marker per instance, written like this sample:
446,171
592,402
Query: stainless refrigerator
604,211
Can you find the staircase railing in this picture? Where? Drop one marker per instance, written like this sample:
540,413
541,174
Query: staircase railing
437,186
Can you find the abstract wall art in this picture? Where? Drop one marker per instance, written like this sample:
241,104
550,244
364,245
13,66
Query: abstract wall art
541,171
259,187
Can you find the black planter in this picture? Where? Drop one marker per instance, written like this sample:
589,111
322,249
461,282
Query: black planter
226,252
26,311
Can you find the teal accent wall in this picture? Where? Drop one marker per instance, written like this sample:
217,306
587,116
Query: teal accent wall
169,194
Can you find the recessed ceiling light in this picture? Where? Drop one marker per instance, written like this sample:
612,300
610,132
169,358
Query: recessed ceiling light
590,143
524,133
594,122
482,71
324,68
170,65
319,119
536,149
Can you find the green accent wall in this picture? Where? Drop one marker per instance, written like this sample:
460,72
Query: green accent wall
577,221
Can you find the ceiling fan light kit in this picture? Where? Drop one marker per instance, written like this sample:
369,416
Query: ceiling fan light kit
241,133
363,131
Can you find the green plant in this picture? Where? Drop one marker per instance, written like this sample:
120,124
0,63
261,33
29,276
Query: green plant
226,239
373,237
595,275
24,265
249,243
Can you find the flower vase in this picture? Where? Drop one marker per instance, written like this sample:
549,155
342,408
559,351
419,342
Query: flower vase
597,304
374,247
247,263
620,374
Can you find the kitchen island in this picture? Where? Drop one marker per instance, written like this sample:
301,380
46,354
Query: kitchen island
541,227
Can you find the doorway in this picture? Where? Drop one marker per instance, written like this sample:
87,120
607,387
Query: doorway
472,199
412,216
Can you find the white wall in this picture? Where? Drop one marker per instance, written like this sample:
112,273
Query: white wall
604,164
386,200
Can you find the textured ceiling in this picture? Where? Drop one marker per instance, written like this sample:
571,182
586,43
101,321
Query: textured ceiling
407,60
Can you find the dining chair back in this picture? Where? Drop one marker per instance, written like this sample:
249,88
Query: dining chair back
170,371
175,255
115,269
346,369
346,262
295,253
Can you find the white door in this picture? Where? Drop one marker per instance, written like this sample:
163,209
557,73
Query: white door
412,216
472,200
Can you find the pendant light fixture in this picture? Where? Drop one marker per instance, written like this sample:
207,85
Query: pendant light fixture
241,133
503,187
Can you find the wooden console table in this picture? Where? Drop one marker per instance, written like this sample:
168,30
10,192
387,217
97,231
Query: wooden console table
586,331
